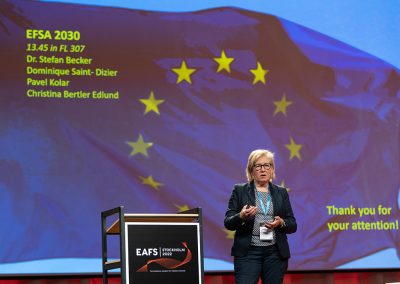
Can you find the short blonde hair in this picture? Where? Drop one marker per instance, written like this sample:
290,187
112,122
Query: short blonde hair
253,157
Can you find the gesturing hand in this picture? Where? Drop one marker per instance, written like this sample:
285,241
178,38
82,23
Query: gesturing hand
278,221
247,212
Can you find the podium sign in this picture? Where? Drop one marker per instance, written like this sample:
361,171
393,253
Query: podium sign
163,252
154,248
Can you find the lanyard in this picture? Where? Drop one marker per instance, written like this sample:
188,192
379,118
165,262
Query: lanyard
263,207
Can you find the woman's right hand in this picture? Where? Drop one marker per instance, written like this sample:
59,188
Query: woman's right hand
247,212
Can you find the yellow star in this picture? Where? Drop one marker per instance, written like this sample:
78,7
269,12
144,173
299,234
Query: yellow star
294,149
259,74
139,146
150,181
224,62
182,208
183,73
283,185
282,105
151,103
229,234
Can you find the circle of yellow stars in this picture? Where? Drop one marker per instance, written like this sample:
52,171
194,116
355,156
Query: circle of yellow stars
184,74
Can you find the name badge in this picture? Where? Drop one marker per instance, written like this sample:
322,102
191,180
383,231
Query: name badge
265,233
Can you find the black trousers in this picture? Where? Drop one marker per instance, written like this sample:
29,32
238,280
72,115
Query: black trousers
264,262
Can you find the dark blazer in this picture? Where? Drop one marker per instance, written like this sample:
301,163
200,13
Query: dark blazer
243,194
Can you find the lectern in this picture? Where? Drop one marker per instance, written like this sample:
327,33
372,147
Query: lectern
155,248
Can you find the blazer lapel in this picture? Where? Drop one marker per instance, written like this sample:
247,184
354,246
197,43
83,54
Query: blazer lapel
251,194
273,191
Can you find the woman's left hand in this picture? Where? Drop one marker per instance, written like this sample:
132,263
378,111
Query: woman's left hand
276,223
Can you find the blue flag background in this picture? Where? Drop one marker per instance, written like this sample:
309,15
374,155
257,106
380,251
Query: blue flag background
197,92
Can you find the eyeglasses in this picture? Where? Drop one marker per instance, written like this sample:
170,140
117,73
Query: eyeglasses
266,166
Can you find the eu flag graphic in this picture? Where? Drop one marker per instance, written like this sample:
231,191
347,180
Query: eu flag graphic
193,94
